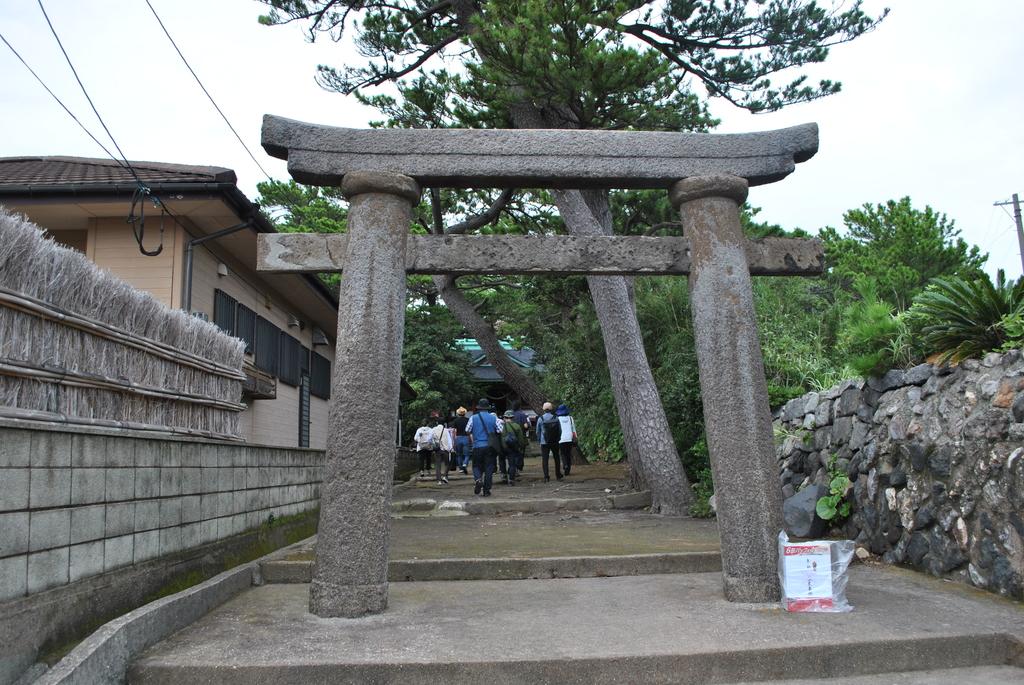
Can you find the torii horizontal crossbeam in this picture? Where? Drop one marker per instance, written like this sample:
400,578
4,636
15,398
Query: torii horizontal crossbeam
553,255
535,158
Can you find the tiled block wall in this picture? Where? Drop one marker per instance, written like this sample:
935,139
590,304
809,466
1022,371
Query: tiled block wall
76,504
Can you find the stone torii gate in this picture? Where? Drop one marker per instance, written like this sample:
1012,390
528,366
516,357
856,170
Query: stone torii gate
381,173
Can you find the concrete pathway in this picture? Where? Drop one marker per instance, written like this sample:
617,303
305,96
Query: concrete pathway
643,629
589,486
555,583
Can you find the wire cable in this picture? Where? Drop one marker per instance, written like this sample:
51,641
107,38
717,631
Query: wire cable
138,222
59,102
86,93
210,97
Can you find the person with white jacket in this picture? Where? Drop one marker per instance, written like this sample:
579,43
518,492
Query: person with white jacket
443,447
567,438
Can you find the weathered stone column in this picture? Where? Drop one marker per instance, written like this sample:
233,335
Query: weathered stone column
737,418
350,576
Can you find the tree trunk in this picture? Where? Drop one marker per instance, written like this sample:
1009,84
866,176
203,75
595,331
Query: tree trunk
645,428
485,336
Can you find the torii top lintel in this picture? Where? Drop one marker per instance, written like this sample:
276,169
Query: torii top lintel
535,158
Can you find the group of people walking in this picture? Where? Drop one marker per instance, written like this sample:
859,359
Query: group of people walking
485,441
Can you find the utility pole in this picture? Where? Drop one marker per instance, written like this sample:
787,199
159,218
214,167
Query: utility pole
1020,227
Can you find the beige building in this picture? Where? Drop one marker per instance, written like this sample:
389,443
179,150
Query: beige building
199,255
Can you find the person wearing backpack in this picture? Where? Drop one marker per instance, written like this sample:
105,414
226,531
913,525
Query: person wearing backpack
549,430
567,437
483,437
424,441
513,440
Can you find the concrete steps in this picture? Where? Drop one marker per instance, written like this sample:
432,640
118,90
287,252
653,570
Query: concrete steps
640,629
504,568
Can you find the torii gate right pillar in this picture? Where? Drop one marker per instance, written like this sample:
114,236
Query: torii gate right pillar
737,418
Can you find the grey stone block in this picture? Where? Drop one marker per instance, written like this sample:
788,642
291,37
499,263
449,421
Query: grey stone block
191,480
14,488
170,540
51,450
172,454
47,569
148,453
147,483
191,508
894,378
799,513
14,533
50,528
89,451
225,501
208,506
211,479
191,535
170,482
13,577
919,374
88,523
88,485
147,546
50,488
191,455
225,479
121,452
120,484
170,512
209,531
147,515
118,552
86,560
322,155
15,448
120,519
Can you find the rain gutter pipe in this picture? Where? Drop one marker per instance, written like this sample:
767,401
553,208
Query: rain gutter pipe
187,299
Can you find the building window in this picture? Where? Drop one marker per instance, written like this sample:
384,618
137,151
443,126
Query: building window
291,364
267,346
320,377
245,327
224,308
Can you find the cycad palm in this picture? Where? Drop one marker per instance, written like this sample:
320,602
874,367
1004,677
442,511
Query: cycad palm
967,315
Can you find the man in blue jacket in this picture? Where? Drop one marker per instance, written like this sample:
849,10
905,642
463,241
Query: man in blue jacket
481,426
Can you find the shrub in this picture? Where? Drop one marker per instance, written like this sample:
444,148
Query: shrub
967,318
873,337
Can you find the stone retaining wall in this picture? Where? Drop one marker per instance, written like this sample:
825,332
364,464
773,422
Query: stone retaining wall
936,460
76,503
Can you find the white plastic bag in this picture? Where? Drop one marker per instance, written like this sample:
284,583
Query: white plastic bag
813,574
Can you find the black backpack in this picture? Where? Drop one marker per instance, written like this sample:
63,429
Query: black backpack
511,440
552,430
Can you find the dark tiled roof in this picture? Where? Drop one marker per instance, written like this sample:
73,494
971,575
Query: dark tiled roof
43,172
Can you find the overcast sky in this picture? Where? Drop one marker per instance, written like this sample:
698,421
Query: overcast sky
931,105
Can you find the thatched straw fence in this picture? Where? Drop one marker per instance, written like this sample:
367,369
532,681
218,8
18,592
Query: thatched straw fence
78,345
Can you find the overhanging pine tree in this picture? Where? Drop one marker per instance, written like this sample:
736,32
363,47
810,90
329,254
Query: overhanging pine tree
591,64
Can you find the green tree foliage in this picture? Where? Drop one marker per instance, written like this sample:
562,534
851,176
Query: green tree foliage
968,317
587,53
900,248
875,338
436,369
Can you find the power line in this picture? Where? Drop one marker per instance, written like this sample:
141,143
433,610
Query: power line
86,93
59,102
210,97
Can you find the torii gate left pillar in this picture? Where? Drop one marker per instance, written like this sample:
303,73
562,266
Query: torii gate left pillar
350,575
